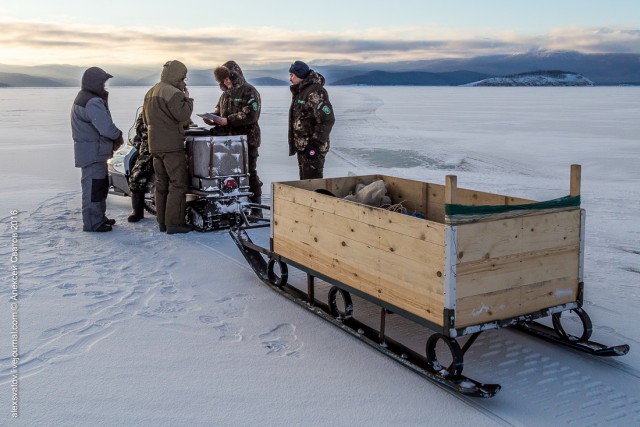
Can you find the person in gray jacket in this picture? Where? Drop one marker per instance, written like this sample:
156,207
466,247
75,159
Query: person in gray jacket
95,138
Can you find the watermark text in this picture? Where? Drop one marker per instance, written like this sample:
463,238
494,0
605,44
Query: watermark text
14,306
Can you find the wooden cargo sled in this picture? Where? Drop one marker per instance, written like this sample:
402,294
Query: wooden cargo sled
455,260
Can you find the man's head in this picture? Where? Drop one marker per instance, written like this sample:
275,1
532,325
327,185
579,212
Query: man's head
229,75
95,79
175,73
223,77
298,72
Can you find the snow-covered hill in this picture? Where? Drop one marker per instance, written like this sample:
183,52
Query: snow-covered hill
538,78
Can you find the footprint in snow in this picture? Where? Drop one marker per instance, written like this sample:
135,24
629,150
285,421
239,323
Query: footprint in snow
282,341
229,332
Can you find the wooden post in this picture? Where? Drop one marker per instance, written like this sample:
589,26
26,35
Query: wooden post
450,189
576,175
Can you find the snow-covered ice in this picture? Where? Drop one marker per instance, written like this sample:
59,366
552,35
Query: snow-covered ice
134,327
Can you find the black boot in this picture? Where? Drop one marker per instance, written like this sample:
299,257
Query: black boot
256,212
137,203
178,229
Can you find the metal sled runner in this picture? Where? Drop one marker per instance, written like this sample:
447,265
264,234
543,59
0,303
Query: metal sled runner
456,261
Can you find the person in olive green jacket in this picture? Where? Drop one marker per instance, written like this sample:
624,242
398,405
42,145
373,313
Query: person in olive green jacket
166,111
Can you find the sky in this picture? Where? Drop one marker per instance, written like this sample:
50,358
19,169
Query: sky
329,32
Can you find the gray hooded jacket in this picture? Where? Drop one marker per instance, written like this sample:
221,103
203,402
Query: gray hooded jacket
92,128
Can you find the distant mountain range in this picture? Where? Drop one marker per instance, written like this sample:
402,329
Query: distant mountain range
26,80
537,78
412,78
600,69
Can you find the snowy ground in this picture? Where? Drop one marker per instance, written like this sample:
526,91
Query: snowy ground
135,327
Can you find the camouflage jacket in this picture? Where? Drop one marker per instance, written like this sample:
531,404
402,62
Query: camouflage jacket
310,116
240,105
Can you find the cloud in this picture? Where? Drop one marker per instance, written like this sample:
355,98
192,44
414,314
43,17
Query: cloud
33,43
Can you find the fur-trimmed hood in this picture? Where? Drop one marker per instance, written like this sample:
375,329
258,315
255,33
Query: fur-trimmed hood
232,70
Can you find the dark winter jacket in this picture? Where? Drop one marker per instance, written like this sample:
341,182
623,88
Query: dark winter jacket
310,116
92,128
167,109
240,105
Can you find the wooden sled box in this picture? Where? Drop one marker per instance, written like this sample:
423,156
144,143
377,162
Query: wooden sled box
474,261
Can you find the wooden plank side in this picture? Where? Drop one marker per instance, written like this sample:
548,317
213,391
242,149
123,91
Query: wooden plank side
416,287
436,200
435,203
333,205
428,307
340,269
478,198
503,266
345,226
369,258
404,246
412,195
393,290
476,310
499,274
418,196
411,192
417,228
530,233
551,230
340,186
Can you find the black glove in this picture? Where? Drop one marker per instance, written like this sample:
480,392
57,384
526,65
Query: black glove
118,143
312,150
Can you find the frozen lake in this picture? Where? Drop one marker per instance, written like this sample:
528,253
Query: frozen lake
511,130
182,342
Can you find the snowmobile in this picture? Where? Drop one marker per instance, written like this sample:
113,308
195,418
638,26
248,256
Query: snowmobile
218,195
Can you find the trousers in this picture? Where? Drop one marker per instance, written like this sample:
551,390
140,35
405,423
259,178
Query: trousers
95,187
171,187
310,168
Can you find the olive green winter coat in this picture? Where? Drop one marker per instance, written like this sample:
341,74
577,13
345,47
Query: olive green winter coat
167,110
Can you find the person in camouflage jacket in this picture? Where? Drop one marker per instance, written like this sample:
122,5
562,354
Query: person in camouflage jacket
311,119
239,106
141,172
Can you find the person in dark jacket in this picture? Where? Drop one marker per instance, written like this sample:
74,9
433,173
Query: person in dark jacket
239,106
95,138
166,111
141,172
311,118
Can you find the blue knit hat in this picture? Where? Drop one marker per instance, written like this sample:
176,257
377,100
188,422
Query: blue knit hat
300,69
